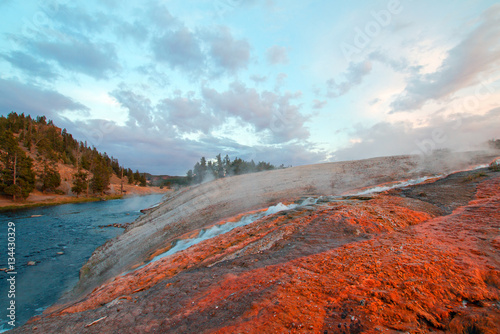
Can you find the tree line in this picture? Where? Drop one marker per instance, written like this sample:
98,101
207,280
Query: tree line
25,142
222,167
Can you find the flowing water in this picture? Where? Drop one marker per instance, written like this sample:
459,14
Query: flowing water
216,230
59,239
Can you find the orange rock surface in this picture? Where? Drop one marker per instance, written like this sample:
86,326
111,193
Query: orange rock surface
386,264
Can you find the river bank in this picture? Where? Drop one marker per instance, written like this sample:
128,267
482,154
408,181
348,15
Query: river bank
38,199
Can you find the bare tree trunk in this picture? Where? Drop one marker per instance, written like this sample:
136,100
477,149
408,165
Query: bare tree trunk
121,185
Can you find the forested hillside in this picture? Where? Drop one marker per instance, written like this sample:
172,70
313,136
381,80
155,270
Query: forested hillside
34,151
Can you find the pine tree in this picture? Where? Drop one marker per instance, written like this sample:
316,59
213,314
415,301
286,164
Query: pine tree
79,182
50,177
17,178
137,176
142,180
189,176
100,181
227,165
210,170
220,166
237,166
28,138
203,168
197,173
130,176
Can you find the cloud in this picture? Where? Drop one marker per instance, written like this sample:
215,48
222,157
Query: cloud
178,115
280,80
140,111
273,115
65,35
135,31
476,55
78,20
153,75
277,55
97,60
187,115
292,154
31,99
149,150
30,65
221,8
160,16
227,53
258,78
317,104
353,77
157,151
180,49
400,65
458,132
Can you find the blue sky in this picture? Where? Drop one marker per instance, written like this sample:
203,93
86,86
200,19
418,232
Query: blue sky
158,84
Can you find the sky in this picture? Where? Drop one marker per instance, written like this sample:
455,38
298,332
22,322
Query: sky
159,84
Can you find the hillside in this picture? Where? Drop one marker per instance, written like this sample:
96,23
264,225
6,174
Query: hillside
414,259
40,164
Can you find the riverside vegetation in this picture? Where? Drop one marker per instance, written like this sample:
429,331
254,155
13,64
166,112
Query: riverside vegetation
33,151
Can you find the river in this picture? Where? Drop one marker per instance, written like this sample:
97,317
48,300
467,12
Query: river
59,239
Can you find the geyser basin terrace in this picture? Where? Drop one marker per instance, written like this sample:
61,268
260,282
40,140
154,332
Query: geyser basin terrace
390,261
201,206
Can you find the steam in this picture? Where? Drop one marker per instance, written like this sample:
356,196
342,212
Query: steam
138,203
462,132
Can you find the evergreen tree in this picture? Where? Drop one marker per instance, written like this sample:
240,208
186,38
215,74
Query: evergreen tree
189,176
224,167
17,178
142,180
28,138
85,161
252,167
130,176
227,165
79,182
203,168
211,170
50,177
220,166
197,173
100,181
237,166
137,176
